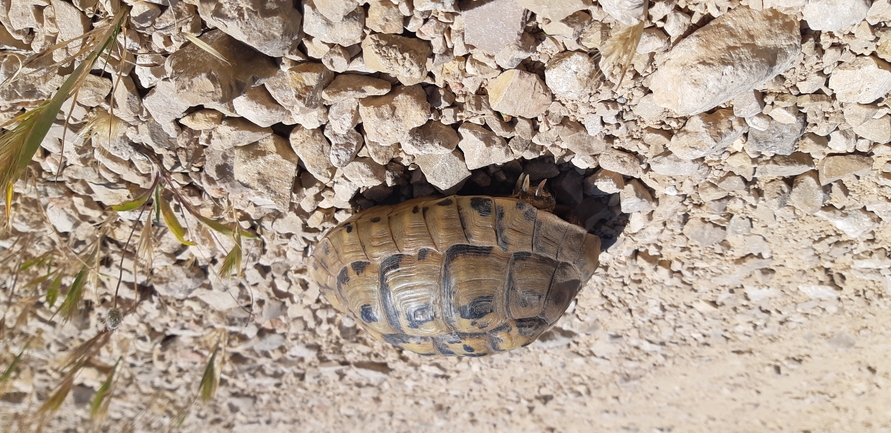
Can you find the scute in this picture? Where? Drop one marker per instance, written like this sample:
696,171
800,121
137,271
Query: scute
459,276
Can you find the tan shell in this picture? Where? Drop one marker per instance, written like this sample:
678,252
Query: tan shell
464,276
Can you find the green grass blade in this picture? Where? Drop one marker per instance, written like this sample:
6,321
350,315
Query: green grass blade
136,203
52,291
100,401
210,380
7,374
172,223
75,294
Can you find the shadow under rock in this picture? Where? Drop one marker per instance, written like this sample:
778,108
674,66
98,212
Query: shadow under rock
577,201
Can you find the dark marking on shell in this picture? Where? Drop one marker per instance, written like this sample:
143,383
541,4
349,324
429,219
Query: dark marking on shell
468,349
415,209
400,339
376,219
420,315
348,227
482,206
530,213
445,202
422,253
368,314
478,308
343,278
359,267
389,264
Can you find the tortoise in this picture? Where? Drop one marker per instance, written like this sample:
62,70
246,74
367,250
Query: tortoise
459,275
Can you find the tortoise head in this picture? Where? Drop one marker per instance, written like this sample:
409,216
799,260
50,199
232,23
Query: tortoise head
540,198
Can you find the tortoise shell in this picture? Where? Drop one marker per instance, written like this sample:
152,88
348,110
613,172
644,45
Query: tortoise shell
461,275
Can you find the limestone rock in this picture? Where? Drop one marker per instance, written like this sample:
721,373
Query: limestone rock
875,130
343,116
732,54
335,10
778,139
636,198
257,105
555,10
571,75
201,78
863,80
620,162
628,12
346,31
784,166
267,168
836,167
384,17
604,182
703,232
405,58
271,27
579,139
519,93
344,146
834,15
491,26
364,172
706,134
234,132
352,86
853,223
669,164
313,149
388,119
482,147
432,138
443,170
807,193
299,87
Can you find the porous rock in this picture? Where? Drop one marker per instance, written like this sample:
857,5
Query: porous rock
443,170
834,15
431,138
519,93
620,162
346,31
554,10
271,27
703,232
862,80
734,53
491,26
267,168
706,134
482,147
636,198
405,58
388,119
779,138
314,151
836,167
853,223
807,193
201,78
571,75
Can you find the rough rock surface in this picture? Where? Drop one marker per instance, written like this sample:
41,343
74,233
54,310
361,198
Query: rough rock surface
519,93
735,53
272,28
